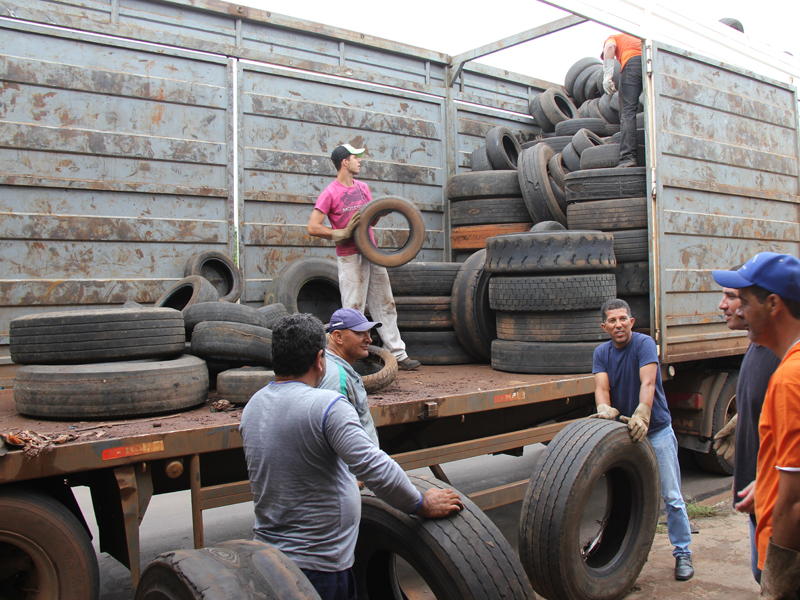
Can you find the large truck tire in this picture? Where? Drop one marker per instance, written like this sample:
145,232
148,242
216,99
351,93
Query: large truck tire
551,292
96,335
424,278
633,278
234,570
502,148
605,184
534,182
307,285
556,326
461,557
390,257
221,311
193,289
617,214
537,252
237,386
423,312
220,271
543,357
272,313
631,245
233,343
111,390
724,410
44,548
484,184
565,553
436,348
487,211
473,319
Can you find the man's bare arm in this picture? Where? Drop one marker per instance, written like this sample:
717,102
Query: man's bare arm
647,390
602,389
315,226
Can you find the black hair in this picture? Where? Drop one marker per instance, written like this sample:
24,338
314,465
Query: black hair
614,304
337,164
761,294
296,342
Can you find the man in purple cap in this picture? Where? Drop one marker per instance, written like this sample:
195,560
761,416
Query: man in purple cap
361,282
348,341
769,292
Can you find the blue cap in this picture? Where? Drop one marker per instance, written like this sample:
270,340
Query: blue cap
777,273
350,318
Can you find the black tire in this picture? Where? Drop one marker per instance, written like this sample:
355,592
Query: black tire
483,184
570,128
391,257
535,185
436,348
237,386
640,310
609,114
576,69
488,211
602,184
49,549
579,88
233,343
553,251
96,335
724,410
220,271
556,170
561,199
613,128
423,312
424,278
539,116
583,140
615,138
189,290
608,215
631,246
233,569
111,390
502,148
307,285
543,357
733,23
557,143
547,226
571,160
272,313
593,112
594,86
473,319
462,556
561,550
633,278
558,326
479,160
553,292
221,311
557,106
600,157
383,369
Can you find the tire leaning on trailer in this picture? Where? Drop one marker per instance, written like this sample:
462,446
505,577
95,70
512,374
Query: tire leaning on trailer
473,320
307,285
220,270
564,554
463,556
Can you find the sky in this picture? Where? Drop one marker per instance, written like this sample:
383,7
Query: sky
454,27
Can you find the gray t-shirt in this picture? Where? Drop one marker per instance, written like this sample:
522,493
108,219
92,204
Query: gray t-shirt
354,390
299,443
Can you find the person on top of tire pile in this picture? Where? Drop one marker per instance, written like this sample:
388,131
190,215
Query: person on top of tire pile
360,281
769,293
740,436
628,51
628,383
303,447
348,341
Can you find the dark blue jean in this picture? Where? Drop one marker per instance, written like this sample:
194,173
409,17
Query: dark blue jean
336,585
630,88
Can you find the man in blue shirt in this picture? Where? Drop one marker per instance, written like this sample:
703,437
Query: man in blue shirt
628,383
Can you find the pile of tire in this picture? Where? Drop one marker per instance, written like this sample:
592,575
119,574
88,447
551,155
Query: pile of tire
546,289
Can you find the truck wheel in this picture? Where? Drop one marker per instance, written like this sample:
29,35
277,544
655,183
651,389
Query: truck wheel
272,313
44,547
608,215
503,148
221,311
220,270
237,386
479,160
551,292
307,285
485,184
724,410
603,184
436,348
550,251
424,278
557,326
462,556
543,357
392,257
233,343
234,569
423,312
189,290
487,211
590,513
387,369
535,185
473,319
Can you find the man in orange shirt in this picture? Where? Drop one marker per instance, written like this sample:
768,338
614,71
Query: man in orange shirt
628,51
769,289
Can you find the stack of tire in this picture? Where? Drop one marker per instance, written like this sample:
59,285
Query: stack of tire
423,296
546,289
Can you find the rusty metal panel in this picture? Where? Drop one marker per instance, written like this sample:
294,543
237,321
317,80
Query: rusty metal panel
488,86
725,175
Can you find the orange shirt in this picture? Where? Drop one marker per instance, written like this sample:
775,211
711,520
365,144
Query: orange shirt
779,431
627,47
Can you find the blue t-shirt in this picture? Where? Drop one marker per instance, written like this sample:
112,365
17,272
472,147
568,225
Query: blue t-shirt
622,366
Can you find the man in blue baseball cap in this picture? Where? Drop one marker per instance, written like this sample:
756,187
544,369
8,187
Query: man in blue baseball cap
769,289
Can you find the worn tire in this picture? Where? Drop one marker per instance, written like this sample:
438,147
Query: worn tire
221,311
547,226
557,326
502,148
395,257
608,215
473,237
579,88
423,312
593,87
535,185
463,556
600,157
550,251
488,211
631,246
609,114
551,540
96,335
539,116
551,292
570,128
307,285
571,160
556,143
724,410
220,271
387,369
602,184
111,390
233,343
583,140
436,348
479,160
557,106
424,278
640,310
272,313
484,184
543,357
557,170
189,290
473,319
237,569
633,278
237,386
576,69
593,111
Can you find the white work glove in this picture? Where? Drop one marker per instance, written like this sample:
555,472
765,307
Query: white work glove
781,574
605,411
638,422
608,76
342,235
724,440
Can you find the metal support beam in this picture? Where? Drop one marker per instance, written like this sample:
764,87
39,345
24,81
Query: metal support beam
457,62
135,490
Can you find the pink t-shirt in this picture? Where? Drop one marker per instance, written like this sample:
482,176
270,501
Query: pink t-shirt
340,203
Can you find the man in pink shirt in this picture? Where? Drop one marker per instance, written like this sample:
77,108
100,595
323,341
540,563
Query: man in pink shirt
360,281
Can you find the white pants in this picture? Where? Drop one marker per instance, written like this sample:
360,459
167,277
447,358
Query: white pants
361,283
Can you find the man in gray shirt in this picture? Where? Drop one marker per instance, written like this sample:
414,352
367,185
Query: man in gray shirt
304,448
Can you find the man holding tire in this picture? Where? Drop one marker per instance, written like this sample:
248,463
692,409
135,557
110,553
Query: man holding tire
361,282
303,446
628,385
628,50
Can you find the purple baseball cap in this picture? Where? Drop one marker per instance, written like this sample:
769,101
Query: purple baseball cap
777,273
350,318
